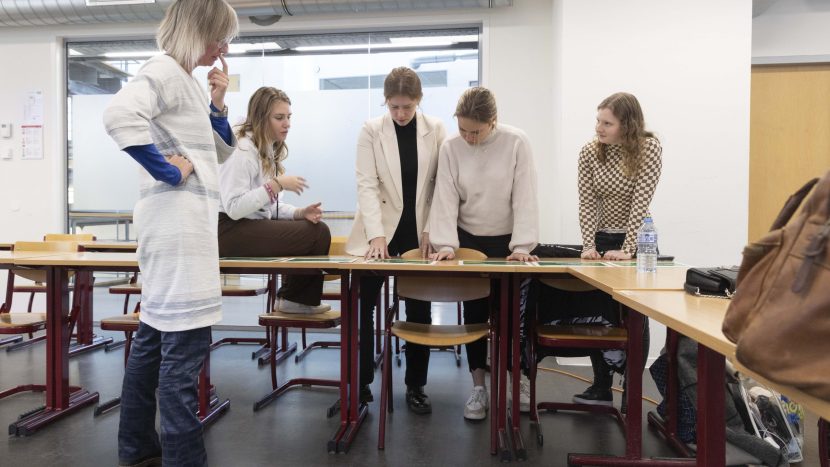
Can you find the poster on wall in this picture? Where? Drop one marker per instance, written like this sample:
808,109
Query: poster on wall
32,142
33,109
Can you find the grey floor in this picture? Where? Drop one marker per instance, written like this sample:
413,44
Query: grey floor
294,429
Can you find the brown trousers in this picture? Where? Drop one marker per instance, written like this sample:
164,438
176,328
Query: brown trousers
269,237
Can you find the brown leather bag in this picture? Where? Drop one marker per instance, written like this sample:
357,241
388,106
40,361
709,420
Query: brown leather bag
779,316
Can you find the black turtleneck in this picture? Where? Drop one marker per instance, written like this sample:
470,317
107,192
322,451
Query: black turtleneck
406,235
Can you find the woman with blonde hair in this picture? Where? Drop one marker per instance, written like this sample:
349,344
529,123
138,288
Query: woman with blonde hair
397,155
165,121
253,220
485,199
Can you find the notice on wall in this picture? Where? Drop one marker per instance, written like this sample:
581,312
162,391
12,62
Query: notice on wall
32,142
33,108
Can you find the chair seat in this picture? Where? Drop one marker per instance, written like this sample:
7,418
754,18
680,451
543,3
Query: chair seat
22,322
328,319
429,289
582,333
227,290
121,322
440,336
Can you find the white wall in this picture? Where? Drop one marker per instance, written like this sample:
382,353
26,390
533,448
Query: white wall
689,65
792,30
549,64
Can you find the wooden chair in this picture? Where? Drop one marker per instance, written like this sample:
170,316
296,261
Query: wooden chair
228,290
38,279
429,289
38,285
278,320
586,337
331,291
29,323
209,405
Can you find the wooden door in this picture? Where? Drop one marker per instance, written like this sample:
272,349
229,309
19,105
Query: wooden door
789,136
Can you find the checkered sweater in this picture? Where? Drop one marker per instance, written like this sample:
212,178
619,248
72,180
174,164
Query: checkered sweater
610,200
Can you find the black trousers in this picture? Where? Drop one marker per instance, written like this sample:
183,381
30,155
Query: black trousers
417,311
477,311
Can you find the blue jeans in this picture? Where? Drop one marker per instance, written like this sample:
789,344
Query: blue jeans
169,362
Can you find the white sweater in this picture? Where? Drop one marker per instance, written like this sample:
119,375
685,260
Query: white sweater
241,187
178,252
487,189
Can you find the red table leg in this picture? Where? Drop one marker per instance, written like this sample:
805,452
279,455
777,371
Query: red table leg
61,400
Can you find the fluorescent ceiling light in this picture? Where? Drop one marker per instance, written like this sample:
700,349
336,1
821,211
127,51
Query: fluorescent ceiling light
434,39
315,48
138,53
242,47
117,2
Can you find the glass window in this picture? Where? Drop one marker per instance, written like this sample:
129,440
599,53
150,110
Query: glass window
335,82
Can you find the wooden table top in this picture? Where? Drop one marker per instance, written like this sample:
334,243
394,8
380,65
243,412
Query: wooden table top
609,279
15,257
701,318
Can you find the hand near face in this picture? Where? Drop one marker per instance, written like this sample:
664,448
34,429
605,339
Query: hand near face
181,163
218,81
616,255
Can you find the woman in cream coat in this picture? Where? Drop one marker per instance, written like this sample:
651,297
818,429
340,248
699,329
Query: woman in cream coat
397,156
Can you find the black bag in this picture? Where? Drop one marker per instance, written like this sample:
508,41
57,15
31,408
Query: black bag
718,282
604,241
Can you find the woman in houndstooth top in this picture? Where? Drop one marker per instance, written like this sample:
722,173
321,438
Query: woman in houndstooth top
618,173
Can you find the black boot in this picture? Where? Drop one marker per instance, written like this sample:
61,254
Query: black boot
598,393
417,401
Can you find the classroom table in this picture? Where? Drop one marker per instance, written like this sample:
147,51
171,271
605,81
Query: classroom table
701,319
60,400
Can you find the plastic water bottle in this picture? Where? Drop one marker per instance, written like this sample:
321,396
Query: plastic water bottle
647,247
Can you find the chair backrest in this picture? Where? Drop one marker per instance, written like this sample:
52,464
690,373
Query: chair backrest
57,247
338,246
55,237
437,289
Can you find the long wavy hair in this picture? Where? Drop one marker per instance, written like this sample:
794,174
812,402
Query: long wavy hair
627,109
271,153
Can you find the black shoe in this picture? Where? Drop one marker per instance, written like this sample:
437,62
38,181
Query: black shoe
366,395
417,401
595,396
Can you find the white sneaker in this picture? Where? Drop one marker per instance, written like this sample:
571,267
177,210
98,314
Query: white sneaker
524,393
477,404
287,306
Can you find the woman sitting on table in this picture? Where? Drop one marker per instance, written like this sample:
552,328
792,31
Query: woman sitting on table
485,199
253,221
397,156
618,173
